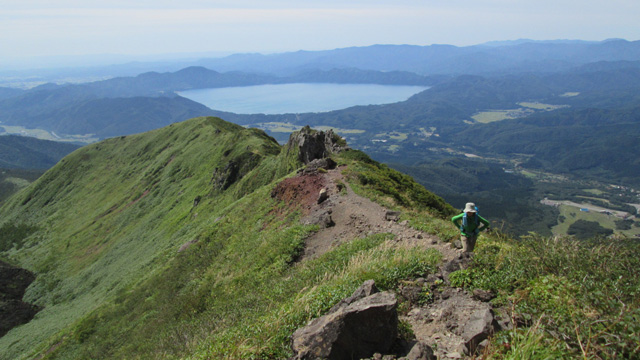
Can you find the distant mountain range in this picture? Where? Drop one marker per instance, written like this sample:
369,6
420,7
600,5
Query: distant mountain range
522,56
484,59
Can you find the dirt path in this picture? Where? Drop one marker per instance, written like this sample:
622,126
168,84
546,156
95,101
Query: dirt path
455,321
355,216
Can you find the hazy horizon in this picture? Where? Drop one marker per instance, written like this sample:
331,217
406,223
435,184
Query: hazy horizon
78,32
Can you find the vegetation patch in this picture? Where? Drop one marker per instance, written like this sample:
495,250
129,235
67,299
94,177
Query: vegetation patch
541,106
390,187
485,117
579,293
570,215
14,235
46,135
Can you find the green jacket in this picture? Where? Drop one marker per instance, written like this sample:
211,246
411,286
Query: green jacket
472,228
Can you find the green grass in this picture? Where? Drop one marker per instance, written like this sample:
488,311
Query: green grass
114,212
541,106
393,135
594,191
583,294
485,117
112,217
389,187
103,229
571,214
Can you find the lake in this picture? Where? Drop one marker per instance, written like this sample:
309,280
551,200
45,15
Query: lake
298,98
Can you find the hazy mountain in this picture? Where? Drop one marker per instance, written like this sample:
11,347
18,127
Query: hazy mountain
437,59
9,92
524,41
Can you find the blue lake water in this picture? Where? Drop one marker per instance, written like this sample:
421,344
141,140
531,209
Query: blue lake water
298,98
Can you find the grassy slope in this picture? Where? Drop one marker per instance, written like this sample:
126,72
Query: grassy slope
121,289
117,210
111,217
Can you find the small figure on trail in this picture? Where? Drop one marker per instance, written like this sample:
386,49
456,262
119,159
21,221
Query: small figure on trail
469,224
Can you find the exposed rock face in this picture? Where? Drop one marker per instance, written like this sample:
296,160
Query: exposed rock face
317,164
480,325
13,311
312,144
420,351
223,177
392,215
454,325
358,327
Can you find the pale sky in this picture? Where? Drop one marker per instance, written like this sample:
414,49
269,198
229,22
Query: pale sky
35,28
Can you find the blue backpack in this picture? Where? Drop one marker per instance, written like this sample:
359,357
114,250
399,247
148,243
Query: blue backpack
465,221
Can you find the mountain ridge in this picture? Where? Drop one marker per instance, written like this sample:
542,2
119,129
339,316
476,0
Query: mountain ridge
205,239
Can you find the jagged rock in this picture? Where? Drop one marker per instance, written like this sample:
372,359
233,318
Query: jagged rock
321,217
392,215
483,295
322,196
352,329
315,165
411,293
367,288
504,320
313,144
480,325
420,351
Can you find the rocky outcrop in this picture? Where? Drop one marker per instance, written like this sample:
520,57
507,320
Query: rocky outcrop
358,327
13,311
455,324
317,164
234,170
312,144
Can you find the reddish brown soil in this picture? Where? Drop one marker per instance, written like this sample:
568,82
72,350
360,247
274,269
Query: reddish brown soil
301,191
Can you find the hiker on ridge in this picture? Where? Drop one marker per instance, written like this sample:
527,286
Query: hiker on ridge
470,227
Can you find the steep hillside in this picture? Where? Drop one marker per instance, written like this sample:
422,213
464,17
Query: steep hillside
107,214
206,240
114,219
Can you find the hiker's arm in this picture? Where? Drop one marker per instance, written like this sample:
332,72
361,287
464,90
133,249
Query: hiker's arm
484,222
456,220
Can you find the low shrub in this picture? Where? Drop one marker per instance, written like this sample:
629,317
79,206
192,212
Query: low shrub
584,293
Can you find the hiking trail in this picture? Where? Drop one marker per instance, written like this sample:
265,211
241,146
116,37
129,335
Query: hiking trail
455,321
